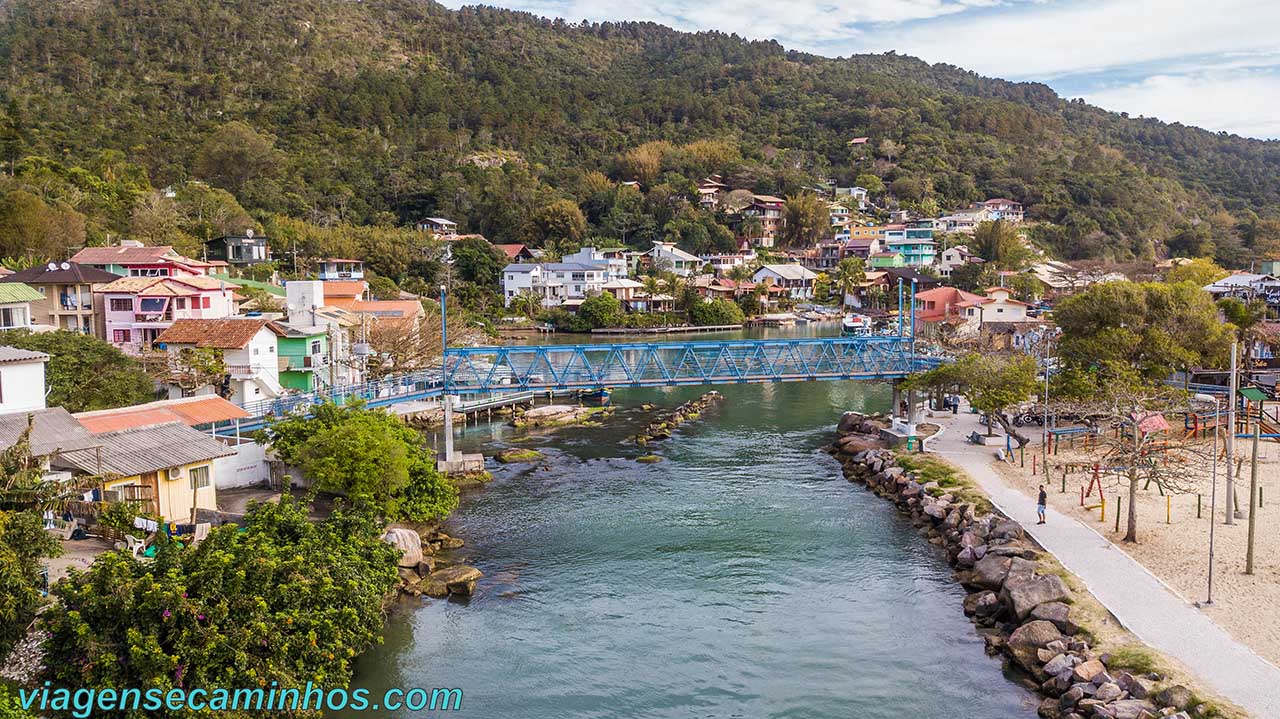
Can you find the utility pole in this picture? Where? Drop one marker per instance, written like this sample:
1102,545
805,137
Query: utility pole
1231,439
1253,493
1044,437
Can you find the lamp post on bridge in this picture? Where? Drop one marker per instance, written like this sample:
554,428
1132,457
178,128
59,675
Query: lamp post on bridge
446,399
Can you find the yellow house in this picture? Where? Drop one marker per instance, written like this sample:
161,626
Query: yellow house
167,467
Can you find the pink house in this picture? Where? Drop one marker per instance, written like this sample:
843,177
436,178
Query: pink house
132,259
138,309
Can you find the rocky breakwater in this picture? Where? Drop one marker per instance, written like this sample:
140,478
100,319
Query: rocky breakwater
1022,607
556,415
662,427
424,571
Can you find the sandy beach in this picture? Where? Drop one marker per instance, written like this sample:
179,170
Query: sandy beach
1173,542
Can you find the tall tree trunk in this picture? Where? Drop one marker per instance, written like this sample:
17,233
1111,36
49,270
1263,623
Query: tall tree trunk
1131,526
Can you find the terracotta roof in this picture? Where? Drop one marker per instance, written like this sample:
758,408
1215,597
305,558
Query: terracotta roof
147,449
227,333
512,251
165,286
343,288
74,273
125,255
405,309
191,411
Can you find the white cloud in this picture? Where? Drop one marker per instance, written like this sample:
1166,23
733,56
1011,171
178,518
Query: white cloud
1244,102
1047,40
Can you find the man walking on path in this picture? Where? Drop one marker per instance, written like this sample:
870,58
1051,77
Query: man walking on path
1040,502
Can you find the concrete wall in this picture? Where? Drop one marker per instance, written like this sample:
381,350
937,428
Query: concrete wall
21,386
246,468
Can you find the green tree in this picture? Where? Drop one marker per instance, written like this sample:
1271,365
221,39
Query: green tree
717,312
23,544
871,183
236,154
1152,327
282,599
527,303
30,227
850,274
999,244
83,372
602,310
806,220
991,383
1200,272
560,222
478,262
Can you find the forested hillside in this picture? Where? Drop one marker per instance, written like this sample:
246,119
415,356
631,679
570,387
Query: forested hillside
310,116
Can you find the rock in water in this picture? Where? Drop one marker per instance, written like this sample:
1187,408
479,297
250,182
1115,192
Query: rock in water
459,579
409,544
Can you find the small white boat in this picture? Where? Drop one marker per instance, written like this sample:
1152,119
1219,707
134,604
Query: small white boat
856,325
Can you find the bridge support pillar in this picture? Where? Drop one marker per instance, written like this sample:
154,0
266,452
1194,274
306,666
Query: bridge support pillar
452,462
448,428
897,401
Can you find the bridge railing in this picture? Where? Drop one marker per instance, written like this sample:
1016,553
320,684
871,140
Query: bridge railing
644,364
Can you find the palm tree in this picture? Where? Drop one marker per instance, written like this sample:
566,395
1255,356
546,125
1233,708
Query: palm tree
740,273
652,286
850,274
527,303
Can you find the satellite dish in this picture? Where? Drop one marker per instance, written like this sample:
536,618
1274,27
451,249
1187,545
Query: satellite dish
248,233
53,266
66,265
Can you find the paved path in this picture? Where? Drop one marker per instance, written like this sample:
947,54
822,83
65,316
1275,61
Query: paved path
1142,603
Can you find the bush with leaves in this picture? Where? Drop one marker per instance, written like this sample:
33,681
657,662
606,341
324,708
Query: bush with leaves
23,543
717,312
283,599
367,455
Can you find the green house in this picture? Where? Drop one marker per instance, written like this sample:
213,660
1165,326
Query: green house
303,354
888,259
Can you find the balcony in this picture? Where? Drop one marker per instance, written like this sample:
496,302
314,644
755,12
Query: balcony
129,493
304,363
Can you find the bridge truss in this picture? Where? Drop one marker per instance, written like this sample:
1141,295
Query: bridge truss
486,369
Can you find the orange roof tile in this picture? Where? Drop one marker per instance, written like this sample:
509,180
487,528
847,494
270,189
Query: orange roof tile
226,333
191,411
343,288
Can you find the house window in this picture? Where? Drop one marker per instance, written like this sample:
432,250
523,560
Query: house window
182,303
199,477
315,347
205,303
120,336
121,304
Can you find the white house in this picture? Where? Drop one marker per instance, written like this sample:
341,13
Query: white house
723,264
997,306
21,380
554,282
248,347
954,257
666,256
438,226
796,279
338,269
15,305
613,260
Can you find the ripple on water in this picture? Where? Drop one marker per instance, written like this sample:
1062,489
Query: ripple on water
741,577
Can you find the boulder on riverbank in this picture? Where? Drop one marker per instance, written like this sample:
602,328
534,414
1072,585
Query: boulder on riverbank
662,427
409,544
553,415
1020,603
518,455
459,580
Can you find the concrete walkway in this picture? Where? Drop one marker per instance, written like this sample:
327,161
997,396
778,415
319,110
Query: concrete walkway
1143,604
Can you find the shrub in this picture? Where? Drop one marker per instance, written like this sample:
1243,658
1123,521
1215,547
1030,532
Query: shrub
717,312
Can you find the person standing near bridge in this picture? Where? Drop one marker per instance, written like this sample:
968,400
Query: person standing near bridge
1040,502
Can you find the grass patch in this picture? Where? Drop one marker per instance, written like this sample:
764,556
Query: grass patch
949,478
1133,657
519,454
1210,708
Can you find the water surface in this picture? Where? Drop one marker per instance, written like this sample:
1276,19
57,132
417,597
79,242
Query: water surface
741,577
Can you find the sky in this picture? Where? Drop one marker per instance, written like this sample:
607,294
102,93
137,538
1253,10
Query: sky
1213,64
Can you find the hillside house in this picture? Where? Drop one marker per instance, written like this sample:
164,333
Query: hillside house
15,305
886,259
769,210
796,280
914,242
612,259
67,299
240,250
132,259
554,282
438,226
334,268
137,309
997,306
954,257
666,256
248,349
1002,209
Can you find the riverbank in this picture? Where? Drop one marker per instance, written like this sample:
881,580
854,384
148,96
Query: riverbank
1026,605
1184,634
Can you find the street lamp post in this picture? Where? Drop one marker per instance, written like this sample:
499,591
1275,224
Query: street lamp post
445,400
1213,492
